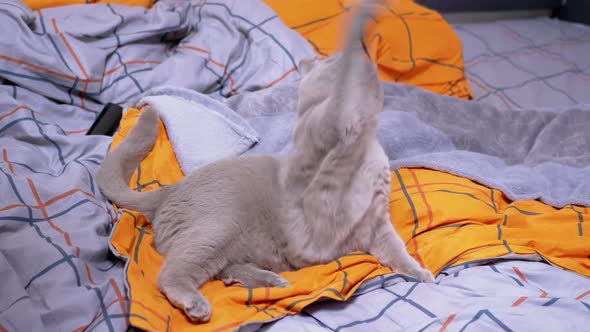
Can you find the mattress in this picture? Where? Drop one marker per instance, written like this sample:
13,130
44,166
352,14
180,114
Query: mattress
526,63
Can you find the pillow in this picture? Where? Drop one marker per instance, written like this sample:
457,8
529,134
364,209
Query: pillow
410,43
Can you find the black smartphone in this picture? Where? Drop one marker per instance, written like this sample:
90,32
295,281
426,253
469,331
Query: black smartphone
107,121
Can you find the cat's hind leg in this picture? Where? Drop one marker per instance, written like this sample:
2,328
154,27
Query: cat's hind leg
185,270
391,251
251,276
389,248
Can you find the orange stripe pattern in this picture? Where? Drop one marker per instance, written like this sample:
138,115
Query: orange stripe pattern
40,4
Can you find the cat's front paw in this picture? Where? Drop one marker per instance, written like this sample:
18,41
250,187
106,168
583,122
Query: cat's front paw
423,275
257,278
268,279
198,311
190,300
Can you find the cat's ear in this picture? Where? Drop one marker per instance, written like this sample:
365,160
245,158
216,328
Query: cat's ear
305,66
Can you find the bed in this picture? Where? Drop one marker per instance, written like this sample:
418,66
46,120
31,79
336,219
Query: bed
496,210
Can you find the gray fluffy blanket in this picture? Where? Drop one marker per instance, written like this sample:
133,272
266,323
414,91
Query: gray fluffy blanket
528,154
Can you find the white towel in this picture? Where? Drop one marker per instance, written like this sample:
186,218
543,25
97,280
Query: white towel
201,129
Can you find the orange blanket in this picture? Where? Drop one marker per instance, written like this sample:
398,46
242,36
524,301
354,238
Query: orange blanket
40,4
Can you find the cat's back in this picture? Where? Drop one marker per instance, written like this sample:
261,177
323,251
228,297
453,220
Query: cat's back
233,183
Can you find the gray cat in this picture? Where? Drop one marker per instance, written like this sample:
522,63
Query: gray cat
245,219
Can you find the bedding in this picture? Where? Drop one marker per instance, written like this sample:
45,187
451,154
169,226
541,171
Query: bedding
538,62
514,295
56,268
71,261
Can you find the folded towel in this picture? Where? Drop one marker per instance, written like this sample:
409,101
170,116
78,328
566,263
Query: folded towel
201,129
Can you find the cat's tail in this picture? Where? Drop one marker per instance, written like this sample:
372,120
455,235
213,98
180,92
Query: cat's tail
359,87
354,41
119,164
